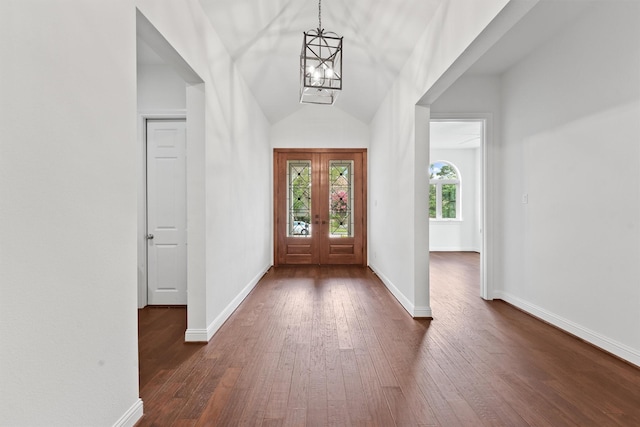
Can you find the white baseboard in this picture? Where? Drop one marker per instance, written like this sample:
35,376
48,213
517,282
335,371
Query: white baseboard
196,335
614,347
421,312
204,335
132,416
402,299
453,249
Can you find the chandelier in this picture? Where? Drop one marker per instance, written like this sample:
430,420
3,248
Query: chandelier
320,65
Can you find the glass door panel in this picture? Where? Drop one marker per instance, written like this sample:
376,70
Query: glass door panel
340,198
299,187
343,201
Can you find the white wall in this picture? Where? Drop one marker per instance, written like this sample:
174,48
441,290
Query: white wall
160,89
398,244
68,168
472,94
462,234
571,142
237,174
319,126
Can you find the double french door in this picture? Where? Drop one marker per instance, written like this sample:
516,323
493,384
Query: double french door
320,206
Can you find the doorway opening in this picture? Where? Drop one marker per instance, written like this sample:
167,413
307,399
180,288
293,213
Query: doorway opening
168,88
457,177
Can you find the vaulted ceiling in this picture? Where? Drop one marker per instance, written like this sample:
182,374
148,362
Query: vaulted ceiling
265,39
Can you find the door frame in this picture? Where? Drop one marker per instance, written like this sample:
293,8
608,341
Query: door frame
143,277
486,206
365,190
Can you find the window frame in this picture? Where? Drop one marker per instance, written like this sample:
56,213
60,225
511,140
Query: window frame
438,184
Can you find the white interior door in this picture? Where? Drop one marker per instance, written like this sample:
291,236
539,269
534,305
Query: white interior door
166,212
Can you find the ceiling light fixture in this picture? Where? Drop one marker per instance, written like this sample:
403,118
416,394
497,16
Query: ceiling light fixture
320,65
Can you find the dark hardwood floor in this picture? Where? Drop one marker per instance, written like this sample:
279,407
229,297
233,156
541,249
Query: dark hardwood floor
330,346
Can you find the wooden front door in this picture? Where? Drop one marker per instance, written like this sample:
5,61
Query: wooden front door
320,206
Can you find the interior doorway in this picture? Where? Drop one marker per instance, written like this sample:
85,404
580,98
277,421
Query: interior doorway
166,187
457,177
320,206
169,88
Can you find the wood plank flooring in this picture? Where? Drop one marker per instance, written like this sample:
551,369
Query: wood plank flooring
330,346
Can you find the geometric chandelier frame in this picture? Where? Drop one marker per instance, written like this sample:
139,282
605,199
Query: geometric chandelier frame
320,66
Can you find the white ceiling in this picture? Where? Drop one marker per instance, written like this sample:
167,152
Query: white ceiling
544,21
264,37
455,135
146,55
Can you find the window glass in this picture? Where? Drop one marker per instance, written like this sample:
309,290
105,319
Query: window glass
299,198
341,198
444,191
432,201
442,170
449,200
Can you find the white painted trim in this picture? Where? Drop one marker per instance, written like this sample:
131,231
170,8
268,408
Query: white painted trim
421,312
402,299
420,278
453,249
197,335
486,208
196,207
614,347
132,416
143,116
204,335
486,204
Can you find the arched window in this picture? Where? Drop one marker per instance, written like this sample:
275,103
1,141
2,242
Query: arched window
444,191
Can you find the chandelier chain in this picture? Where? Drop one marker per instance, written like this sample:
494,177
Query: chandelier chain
319,14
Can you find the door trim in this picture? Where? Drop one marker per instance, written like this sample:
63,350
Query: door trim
142,195
164,237
486,204
365,187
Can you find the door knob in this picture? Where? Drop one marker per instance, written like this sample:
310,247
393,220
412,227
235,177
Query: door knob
150,236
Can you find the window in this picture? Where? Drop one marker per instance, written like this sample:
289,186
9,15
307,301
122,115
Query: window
444,191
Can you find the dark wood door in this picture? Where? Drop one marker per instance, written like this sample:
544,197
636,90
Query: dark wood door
319,206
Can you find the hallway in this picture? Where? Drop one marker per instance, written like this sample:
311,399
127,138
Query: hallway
331,346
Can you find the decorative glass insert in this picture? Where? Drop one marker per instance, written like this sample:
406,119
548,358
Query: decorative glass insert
341,198
299,198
